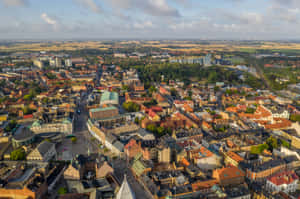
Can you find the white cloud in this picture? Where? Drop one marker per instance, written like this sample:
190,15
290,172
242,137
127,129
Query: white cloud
15,2
48,19
90,4
150,7
143,25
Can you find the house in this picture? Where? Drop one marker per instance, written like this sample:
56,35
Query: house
286,181
232,158
204,158
230,175
103,169
132,148
260,171
45,151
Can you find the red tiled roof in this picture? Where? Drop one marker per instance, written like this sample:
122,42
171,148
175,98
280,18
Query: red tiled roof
286,177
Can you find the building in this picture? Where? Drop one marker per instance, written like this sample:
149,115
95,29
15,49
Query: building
45,151
132,148
38,63
65,127
259,172
23,136
109,98
68,62
230,175
101,113
125,191
286,181
232,158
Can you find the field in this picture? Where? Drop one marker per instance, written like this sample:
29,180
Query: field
181,46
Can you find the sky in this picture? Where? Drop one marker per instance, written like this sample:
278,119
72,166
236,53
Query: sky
150,19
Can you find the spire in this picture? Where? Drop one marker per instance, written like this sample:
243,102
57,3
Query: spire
125,191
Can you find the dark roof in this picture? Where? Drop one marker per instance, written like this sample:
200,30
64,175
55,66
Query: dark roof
23,133
265,165
44,147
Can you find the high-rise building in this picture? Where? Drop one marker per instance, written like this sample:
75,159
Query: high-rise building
38,63
68,62
58,62
207,60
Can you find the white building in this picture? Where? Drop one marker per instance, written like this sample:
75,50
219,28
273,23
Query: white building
286,181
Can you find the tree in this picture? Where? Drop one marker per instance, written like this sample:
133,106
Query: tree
174,92
151,128
27,110
258,149
74,139
131,106
45,100
62,190
295,117
285,143
136,120
272,143
125,87
250,110
18,154
160,130
27,97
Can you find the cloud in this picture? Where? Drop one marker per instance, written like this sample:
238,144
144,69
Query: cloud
143,25
150,7
48,19
15,2
90,4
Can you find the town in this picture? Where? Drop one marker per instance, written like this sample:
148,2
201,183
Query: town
150,124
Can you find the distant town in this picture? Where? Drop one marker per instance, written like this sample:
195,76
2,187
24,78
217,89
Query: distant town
149,120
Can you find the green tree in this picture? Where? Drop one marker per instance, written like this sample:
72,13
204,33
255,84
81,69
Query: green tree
62,190
136,120
285,143
131,106
125,87
18,154
28,97
272,143
74,139
160,130
258,149
295,117
152,128
27,110
250,110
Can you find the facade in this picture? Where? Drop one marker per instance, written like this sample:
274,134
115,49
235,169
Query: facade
132,148
65,127
259,172
45,151
286,181
101,113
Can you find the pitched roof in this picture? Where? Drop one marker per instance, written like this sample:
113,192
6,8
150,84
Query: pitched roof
286,177
125,191
44,147
229,172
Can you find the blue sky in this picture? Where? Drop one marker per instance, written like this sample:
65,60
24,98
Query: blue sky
150,19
